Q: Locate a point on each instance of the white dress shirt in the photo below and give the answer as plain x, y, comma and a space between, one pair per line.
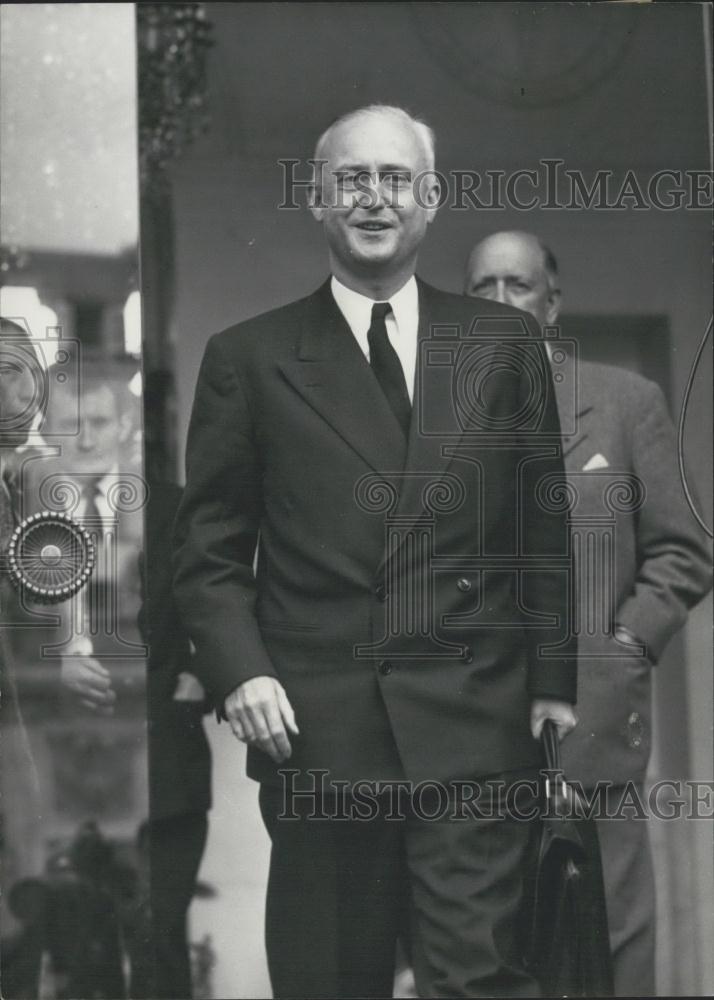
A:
402, 323
80, 642
105, 511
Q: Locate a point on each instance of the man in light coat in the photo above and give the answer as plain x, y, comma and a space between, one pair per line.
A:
643, 563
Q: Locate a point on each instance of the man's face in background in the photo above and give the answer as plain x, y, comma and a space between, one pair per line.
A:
20, 392
510, 268
103, 430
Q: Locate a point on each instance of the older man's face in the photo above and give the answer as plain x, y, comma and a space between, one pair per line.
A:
510, 268
373, 217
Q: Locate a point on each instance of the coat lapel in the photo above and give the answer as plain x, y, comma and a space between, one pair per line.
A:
333, 376
574, 407
426, 463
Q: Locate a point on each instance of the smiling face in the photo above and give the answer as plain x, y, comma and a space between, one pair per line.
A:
510, 268
373, 217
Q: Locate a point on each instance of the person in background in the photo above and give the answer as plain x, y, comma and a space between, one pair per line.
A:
662, 568
19, 412
93, 424
88, 424
179, 756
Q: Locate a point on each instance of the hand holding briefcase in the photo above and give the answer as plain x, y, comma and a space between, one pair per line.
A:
567, 945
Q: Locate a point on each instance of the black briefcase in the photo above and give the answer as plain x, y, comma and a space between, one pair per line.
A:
567, 947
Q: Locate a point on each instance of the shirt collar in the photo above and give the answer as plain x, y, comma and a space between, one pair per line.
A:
103, 484
357, 308
106, 481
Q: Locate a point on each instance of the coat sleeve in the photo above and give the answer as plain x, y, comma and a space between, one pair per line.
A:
546, 587
216, 531
674, 569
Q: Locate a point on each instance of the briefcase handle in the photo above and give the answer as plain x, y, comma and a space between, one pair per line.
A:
551, 745
551, 750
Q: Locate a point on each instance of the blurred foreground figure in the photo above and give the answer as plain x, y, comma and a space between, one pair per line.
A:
179, 757
661, 567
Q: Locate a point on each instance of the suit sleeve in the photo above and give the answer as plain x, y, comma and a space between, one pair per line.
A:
216, 530
546, 587
673, 554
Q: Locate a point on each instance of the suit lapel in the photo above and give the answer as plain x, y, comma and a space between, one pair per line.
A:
333, 376
574, 408
426, 464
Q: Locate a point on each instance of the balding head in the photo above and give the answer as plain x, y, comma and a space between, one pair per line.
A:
396, 117
375, 197
516, 268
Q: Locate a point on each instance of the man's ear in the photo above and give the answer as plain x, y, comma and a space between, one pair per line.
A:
126, 426
428, 193
552, 308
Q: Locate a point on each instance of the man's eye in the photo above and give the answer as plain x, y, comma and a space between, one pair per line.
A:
395, 179
352, 179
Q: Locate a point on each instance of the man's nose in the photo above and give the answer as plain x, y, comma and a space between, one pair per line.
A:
502, 294
372, 194
85, 439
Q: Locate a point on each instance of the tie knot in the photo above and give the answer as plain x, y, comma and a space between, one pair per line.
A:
380, 310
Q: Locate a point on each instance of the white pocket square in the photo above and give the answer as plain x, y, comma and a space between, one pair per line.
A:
596, 462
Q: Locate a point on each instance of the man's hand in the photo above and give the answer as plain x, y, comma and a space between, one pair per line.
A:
259, 713
561, 713
91, 681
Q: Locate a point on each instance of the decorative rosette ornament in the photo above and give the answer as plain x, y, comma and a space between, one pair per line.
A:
50, 556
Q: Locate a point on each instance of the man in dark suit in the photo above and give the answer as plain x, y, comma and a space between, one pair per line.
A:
89, 472
618, 431
407, 620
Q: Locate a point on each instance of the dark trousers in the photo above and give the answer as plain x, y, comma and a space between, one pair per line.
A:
338, 890
176, 850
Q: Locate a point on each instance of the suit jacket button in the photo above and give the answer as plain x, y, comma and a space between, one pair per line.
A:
384, 667
464, 585
380, 592
468, 654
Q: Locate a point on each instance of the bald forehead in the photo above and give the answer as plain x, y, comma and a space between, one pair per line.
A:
94, 396
374, 134
504, 250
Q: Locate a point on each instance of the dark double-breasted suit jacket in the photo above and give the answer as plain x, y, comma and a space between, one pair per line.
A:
642, 560
402, 596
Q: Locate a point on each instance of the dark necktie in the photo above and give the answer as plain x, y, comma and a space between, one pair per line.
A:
388, 368
92, 519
